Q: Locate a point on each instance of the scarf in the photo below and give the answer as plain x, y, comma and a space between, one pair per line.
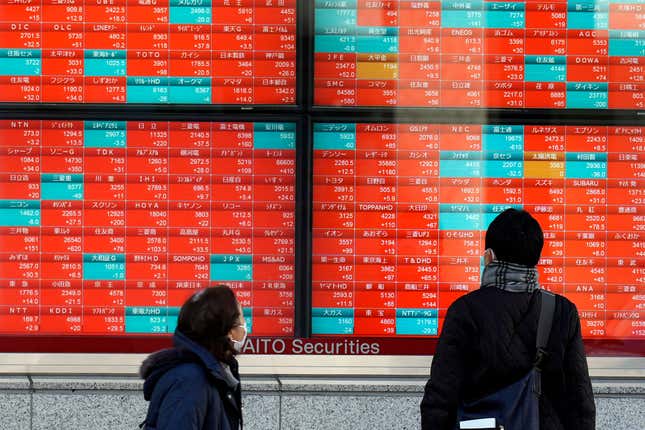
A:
510, 277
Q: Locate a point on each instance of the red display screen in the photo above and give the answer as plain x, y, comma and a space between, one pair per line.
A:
107, 227
400, 213
240, 52
551, 54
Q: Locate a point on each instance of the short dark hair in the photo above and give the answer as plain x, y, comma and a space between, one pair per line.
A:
207, 317
515, 237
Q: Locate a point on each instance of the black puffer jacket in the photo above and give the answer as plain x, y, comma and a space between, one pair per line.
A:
488, 342
189, 389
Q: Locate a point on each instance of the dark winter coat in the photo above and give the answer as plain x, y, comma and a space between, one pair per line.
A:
488, 342
189, 389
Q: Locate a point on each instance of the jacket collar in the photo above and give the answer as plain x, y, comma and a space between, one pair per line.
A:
512, 277
214, 367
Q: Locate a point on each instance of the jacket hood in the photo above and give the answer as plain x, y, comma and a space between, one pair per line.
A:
185, 351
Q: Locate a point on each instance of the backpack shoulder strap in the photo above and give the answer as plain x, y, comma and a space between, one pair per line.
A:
545, 322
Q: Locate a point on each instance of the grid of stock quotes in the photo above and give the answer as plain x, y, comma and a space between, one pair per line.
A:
336, 162
400, 212
239, 52
106, 227
549, 54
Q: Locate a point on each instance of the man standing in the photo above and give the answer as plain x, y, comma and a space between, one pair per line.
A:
488, 337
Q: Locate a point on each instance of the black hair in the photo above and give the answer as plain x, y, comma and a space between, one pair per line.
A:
207, 317
515, 237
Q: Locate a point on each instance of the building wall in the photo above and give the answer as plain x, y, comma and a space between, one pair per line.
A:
114, 403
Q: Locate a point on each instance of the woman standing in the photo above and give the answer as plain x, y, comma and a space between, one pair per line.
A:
196, 384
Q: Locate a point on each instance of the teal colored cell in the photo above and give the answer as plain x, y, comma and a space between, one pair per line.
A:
335, 4
328, 20
61, 191
103, 267
105, 125
171, 322
340, 140
505, 138
502, 129
148, 311
459, 208
545, 68
191, 12
189, 90
147, 323
587, 20
587, 5
147, 94
462, 18
20, 53
105, 134
504, 19
587, 99
20, 62
546, 60
195, 95
377, 44
148, 81
416, 313
333, 312
503, 169
503, 6
274, 126
321, 325
274, 140
325, 43
231, 258
19, 204
462, 5
586, 170
274, 135
103, 271
104, 54
417, 326
186, 81
460, 155
231, 272
545, 73
627, 44
461, 168
332, 320
19, 217
55, 186
190, 3
62, 177
460, 220
105, 63
103, 258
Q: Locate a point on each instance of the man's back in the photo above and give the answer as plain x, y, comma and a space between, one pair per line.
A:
488, 342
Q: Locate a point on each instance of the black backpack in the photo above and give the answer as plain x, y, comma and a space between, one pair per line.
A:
516, 406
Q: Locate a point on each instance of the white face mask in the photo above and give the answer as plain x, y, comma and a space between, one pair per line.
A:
239, 344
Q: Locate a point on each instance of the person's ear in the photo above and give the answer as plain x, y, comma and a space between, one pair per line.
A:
489, 256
